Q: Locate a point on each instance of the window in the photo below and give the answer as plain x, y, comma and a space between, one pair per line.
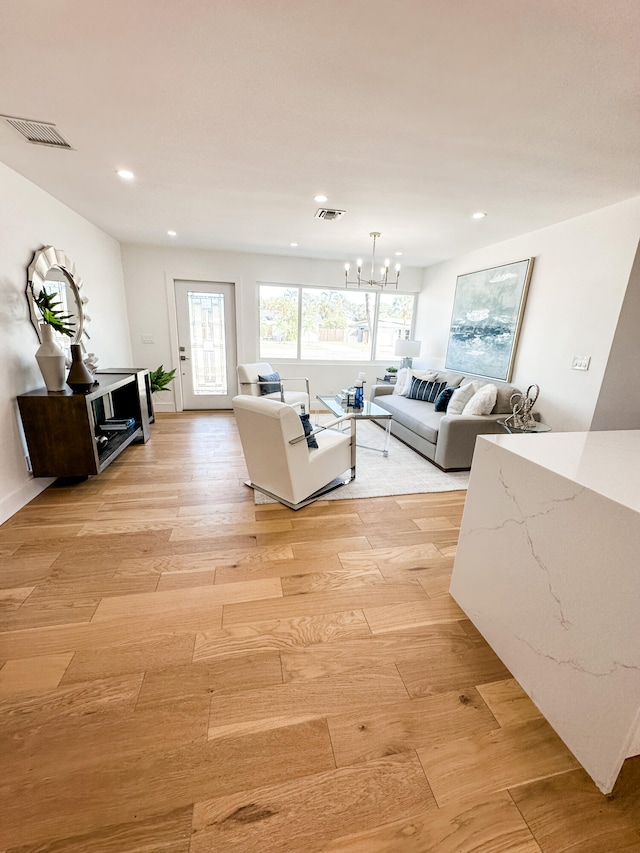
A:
322, 324
395, 318
279, 321
336, 325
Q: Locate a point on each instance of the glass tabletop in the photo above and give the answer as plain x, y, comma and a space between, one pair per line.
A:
368, 409
537, 427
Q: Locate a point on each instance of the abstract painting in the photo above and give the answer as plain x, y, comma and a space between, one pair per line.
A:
487, 313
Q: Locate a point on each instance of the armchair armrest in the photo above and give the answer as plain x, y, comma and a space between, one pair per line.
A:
260, 382
304, 379
329, 425
322, 427
280, 382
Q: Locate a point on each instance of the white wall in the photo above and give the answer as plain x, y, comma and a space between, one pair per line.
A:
29, 219
618, 405
580, 276
149, 274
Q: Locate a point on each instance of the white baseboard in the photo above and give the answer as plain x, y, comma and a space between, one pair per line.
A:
164, 407
10, 505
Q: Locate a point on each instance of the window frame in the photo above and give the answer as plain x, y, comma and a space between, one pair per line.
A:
373, 332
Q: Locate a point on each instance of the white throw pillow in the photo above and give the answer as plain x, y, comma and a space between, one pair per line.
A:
429, 375
401, 380
461, 397
482, 401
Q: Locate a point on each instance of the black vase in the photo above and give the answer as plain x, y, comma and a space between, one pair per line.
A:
79, 379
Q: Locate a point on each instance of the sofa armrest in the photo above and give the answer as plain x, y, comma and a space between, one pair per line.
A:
381, 390
457, 438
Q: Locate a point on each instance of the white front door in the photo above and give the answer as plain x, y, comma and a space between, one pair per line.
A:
207, 343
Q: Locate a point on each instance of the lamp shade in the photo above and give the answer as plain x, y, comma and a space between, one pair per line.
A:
407, 349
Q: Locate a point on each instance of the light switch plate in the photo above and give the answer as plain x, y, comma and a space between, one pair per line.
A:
581, 362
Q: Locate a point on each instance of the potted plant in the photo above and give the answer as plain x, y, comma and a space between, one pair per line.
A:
49, 356
50, 311
160, 378
390, 374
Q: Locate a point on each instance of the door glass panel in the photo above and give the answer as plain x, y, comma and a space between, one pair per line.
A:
208, 347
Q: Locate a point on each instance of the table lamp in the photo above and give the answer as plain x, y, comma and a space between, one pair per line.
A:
408, 350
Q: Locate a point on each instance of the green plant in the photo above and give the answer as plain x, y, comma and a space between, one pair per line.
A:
50, 311
392, 369
160, 378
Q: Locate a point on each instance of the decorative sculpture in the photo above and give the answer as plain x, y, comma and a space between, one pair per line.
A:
522, 404
91, 361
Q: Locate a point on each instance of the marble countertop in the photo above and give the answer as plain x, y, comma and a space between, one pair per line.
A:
605, 462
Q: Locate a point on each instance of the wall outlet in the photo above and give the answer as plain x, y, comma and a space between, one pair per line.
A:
147, 339
580, 362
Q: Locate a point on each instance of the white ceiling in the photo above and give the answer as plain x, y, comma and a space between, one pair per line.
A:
408, 114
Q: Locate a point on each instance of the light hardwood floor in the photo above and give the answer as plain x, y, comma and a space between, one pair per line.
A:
185, 672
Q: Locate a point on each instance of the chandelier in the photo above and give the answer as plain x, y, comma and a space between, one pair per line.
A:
372, 281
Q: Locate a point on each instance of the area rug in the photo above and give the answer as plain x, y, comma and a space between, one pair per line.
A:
402, 472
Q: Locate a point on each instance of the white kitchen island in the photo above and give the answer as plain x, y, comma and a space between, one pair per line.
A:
548, 570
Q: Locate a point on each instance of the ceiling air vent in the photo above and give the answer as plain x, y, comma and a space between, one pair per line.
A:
326, 213
39, 132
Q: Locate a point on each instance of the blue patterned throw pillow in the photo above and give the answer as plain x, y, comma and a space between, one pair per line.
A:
274, 378
422, 389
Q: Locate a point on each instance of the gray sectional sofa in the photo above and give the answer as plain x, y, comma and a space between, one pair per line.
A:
446, 440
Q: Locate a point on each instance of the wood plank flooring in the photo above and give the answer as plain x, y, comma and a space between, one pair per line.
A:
182, 671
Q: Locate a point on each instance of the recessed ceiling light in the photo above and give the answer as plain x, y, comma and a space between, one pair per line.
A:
293, 245
398, 254
172, 233
478, 215
320, 198
125, 174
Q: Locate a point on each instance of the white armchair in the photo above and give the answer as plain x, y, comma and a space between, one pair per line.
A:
279, 460
250, 384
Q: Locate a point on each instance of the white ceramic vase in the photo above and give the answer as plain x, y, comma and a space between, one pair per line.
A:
51, 360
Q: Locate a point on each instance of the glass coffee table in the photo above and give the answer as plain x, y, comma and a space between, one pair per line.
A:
369, 412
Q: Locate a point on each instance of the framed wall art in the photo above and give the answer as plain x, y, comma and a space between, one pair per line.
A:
486, 318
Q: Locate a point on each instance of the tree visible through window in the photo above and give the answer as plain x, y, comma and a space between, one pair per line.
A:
278, 322
336, 325
323, 324
395, 318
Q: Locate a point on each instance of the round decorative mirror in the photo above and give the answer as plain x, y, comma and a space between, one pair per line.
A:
51, 272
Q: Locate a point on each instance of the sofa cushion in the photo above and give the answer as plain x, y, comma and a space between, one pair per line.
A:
461, 397
428, 375
482, 401
415, 415
453, 380
503, 404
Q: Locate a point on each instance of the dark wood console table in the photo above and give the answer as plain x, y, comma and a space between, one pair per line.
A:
63, 429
